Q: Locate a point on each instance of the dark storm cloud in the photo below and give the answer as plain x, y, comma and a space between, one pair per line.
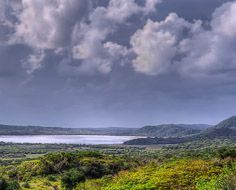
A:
116, 63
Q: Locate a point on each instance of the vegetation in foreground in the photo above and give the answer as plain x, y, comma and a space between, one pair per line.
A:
186, 166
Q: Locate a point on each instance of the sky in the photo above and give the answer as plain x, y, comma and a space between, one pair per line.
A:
117, 63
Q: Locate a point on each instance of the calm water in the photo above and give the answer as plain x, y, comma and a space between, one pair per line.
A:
67, 139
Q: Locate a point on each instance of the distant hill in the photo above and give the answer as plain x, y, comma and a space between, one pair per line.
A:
224, 130
167, 130
38, 130
171, 130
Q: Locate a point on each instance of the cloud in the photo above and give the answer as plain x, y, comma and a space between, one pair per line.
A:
150, 5
34, 61
42, 25
156, 44
82, 33
72, 26
47, 24
176, 45
91, 48
213, 51
6, 20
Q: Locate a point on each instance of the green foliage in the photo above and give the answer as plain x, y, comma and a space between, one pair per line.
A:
71, 167
213, 184
178, 175
26, 185
170, 130
181, 174
51, 178
70, 179
200, 165
13, 185
227, 152
3, 184
9, 185
225, 181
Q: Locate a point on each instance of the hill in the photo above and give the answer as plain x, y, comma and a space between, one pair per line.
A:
38, 130
167, 130
226, 129
171, 130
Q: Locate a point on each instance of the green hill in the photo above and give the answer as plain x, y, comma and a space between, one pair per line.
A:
38, 130
170, 130
225, 129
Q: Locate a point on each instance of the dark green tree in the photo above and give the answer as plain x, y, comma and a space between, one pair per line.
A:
70, 179
3, 184
13, 185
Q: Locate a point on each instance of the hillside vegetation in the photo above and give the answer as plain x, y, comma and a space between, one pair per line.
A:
170, 130
38, 130
148, 169
224, 130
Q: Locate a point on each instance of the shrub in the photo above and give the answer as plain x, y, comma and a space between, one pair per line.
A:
229, 183
70, 179
227, 152
46, 183
13, 185
26, 185
51, 178
3, 184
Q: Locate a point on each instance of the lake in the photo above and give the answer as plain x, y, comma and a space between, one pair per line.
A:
67, 139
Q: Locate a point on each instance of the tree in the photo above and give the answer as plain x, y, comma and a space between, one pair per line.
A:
3, 184
70, 179
10, 185
13, 185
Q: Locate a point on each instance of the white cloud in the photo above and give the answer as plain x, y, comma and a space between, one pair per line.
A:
91, 48
156, 44
48, 24
150, 5
45, 25
224, 20
82, 34
214, 50
175, 45
74, 26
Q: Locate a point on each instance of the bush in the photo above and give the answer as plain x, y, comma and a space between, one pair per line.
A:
46, 183
26, 185
227, 152
3, 184
13, 185
10, 185
51, 178
229, 183
70, 179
